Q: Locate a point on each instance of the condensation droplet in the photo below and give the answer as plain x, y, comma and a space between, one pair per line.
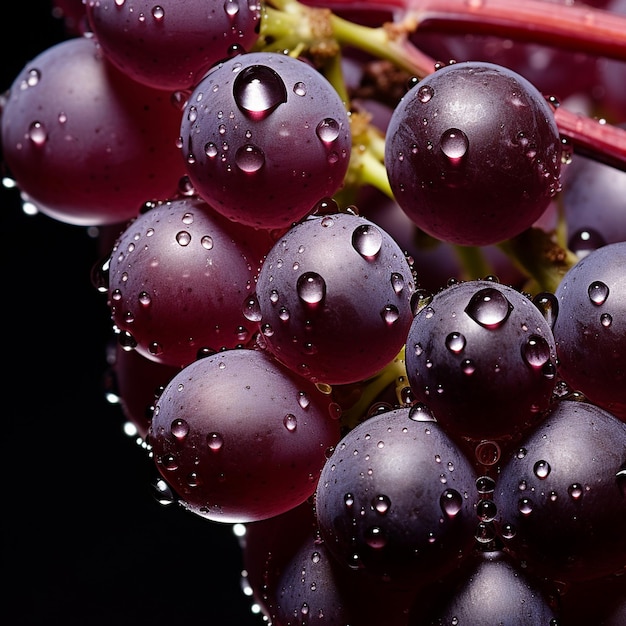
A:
180, 428
328, 130
451, 502
390, 314
397, 282
381, 504
575, 491
454, 144
536, 351
258, 90
419, 412
215, 441
455, 342
375, 538
367, 240
425, 93
541, 469
183, 238
548, 305
489, 307
249, 158
290, 422
311, 288
598, 292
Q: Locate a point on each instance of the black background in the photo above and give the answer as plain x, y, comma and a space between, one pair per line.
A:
84, 541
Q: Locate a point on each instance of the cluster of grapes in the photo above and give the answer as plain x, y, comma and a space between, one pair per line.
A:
369, 308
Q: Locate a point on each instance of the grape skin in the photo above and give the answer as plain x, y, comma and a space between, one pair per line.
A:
171, 45
590, 327
87, 145
473, 154
240, 438
310, 293
265, 137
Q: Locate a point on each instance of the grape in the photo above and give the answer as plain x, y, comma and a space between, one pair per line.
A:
593, 204
265, 137
590, 327
239, 438
171, 45
490, 589
396, 499
310, 291
178, 280
136, 382
473, 153
84, 143
483, 358
560, 495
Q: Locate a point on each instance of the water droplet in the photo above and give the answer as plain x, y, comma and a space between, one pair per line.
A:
215, 441
525, 506
348, 500
328, 130
468, 366
454, 144
38, 134
290, 422
303, 399
548, 305
606, 319
598, 292
367, 240
259, 90
249, 158
397, 282
183, 238
536, 351
180, 428
158, 13
381, 504
575, 491
419, 412
375, 538
231, 7
489, 307
252, 309
455, 342
487, 452
163, 493
390, 314
485, 485
425, 93
299, 89
585, 240
541, 469
451, 502
311, 288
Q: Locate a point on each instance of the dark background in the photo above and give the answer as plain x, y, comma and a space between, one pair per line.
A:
83, 540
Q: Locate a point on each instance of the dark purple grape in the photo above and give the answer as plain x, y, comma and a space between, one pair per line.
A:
483, 358
593, 204
179, 276
473, 153
265, 137
86, 144
240, 438
171, 45
491, 590
561, 498
334, 298
590, 327
396, 499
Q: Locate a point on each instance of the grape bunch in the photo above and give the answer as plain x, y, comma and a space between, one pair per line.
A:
364, 272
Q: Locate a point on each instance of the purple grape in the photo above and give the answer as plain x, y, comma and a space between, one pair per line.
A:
265, 137
333, 298
86, 144
239, 438
483, 358
179, 276
560, 495
490, 589
473, 153
171, 45
396, 499
590, 327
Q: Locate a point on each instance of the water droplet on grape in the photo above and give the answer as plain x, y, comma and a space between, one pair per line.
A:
598, 292
249, 158
38, 134
541, 469
381, 504
367, 240
311, 288
328, 130
290, 422
489, 308
180, 428
420, 412
451, 502
536, 351
258, 90
425, 93
455, 342
454, 144
390, 314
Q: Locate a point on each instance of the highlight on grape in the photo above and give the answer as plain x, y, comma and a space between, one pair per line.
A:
365, 268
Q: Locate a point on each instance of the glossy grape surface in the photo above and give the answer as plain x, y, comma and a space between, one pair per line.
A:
240, 438
473, 153
265, 138
87, 145
334, 298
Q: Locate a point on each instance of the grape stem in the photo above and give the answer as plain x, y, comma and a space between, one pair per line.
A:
583, 28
